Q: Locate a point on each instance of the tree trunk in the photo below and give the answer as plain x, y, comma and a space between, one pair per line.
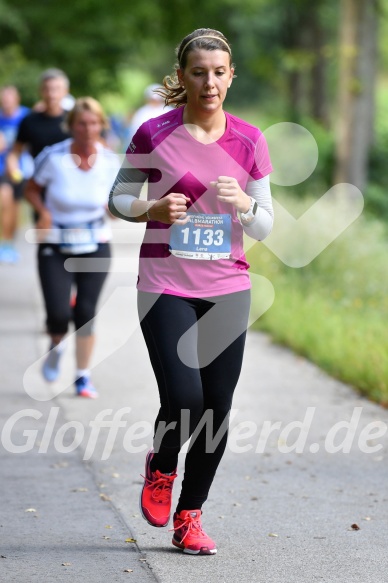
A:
318, 92
357, 75
295, 92
307, 82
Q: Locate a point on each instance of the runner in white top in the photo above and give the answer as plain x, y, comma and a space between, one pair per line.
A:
153, 107
76, 175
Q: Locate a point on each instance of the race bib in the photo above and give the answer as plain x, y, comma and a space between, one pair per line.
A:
202, 237
78, 240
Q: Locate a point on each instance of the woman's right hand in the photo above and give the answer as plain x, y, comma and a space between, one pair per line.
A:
170, 209
44, 221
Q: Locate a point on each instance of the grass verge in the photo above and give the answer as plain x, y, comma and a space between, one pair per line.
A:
334, 311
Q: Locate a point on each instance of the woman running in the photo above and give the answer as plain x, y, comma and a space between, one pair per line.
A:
75, 175
208, 183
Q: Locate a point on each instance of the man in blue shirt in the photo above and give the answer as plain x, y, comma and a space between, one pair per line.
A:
11, 187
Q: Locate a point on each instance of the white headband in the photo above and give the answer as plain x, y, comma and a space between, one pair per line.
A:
205, 36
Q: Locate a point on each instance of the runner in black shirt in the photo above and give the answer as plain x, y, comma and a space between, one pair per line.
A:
40, 129
43, 128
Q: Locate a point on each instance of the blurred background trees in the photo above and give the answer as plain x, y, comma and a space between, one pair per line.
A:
357, 87
315, 63
319, 63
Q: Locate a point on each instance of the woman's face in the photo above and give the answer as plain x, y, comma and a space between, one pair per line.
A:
206, 78
86, 128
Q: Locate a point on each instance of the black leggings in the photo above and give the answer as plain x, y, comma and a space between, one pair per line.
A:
196, 373
57, 282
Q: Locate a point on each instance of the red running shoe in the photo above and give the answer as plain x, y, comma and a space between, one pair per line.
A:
156, 495
189, 535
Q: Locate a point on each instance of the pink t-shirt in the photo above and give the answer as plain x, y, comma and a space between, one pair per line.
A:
205, 257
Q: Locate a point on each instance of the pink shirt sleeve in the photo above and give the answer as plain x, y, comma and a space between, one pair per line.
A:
262, 165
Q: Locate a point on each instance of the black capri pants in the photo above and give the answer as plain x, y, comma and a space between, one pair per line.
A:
57, 282
196, 349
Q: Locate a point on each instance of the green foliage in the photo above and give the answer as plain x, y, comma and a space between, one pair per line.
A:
376, 198
322, 177
90, 36
111, 51
11, 21
16, 70
334, 310
383, 34
129, 95
84, 37
267, 114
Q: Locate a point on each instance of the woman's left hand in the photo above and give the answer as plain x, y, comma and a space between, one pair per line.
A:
229, 191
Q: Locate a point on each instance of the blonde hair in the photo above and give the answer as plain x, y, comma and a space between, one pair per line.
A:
202, 38
87, 104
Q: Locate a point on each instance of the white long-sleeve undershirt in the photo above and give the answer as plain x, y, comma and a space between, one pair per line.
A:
129, 182
261, 225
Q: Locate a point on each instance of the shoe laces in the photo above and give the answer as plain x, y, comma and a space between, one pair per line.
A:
162, 487
192, 524
84, 386
83, 383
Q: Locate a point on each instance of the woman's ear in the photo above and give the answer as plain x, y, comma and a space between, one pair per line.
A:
231, 77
